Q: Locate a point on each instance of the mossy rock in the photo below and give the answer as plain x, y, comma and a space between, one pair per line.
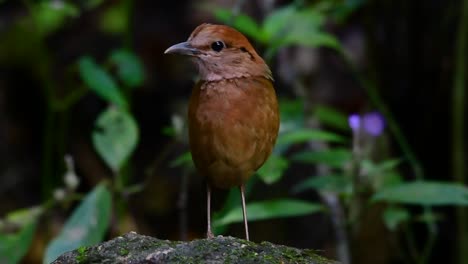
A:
134, 248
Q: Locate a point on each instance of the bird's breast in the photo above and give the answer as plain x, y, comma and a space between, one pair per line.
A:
233, 125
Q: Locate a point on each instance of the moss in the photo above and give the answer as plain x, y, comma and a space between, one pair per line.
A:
124, 251
81, 256
143, 249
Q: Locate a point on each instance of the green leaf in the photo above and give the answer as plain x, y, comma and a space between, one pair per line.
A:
290, 26
241, 22
331, 183
292, 114
115, 18
268, 210
277, 23
336, 158
331, 117
387, 165
86, 226
100, 81
318, 39
425, 193
184, 160
305, 135
115, 137
51, 15
14, 246
24, 216
129, 67
393, 216
273, 169
387, 179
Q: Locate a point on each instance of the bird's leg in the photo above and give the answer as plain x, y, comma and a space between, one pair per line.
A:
209, 233
244, 210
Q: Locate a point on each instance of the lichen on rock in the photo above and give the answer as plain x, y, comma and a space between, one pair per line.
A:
137, 249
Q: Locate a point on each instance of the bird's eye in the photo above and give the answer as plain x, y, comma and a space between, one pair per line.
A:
217, 46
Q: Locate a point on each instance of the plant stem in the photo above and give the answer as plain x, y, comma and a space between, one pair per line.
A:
409, 238
458, 129
376, 100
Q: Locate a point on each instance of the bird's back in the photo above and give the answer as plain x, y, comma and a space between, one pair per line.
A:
233, 125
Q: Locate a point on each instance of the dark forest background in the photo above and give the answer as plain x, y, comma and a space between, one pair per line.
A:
92, 126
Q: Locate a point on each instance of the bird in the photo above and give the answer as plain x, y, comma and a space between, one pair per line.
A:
233, 112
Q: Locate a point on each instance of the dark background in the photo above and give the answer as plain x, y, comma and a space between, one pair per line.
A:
407, 48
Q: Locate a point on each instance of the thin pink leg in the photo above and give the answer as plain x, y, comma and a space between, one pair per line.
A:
244, 210
209, 233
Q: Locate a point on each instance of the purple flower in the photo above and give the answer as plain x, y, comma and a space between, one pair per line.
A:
354, 122
372, 123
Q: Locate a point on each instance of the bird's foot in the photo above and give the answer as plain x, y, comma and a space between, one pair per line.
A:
209, 235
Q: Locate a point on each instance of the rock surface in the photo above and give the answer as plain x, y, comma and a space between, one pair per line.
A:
134, 248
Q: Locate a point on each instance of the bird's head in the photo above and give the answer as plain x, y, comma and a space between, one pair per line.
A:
221, 52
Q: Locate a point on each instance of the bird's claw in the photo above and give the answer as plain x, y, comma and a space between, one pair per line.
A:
209, 235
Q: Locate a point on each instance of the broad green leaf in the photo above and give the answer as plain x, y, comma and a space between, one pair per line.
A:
169, 131
184, 160
51, 15
86, 226
115, 19
331, 183
292, 114
336, 158
14, 246
269, 209
292, 26
241, 22
100, 81
317, 39
387, 179
273, 169
425, 193
378, 168
331, 117
115, 136
389, 164
24, 216
305, 135
393, 216
129, 67
278, 22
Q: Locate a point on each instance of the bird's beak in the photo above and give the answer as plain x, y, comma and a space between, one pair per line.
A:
184, 48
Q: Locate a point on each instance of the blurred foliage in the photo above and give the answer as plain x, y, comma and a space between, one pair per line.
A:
285, 26
14, 245
100, 82
269, 209
354, 175
425, 193
115, 137
86, 226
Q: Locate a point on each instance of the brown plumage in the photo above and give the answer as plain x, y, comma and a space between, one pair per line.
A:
233, 111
